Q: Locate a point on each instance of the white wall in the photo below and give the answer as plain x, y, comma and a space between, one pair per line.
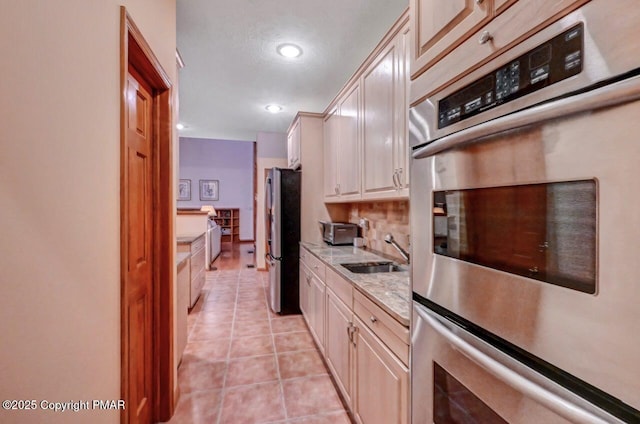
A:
272, 152
60, 189
229, 162
271, 145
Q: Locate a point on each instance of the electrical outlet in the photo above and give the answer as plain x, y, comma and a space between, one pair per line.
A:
364, 223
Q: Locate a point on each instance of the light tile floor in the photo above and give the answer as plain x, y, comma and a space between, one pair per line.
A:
244, 364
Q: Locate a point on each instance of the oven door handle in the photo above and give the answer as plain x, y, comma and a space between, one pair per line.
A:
515, 374
608, 95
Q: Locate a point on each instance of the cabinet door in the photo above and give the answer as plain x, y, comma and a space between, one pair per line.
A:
290, 150
349, 142
385, 106
381, 382
316, 307
440, 25
293, 146
305, 282
500, 5
331, 135
338, 343
401, 165
378, 122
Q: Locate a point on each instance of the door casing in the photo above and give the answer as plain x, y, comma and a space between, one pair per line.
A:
136, 52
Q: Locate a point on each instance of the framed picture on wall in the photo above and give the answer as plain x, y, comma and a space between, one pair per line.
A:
184, 190
209, 190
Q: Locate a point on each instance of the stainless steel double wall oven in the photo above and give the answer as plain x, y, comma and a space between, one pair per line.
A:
525, 215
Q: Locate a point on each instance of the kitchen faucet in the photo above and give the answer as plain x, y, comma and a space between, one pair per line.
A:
389, 239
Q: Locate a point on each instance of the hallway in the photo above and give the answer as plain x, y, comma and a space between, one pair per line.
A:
244, 364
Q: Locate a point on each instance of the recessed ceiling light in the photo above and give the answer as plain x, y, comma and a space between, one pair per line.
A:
274, 108
180, 126
289, 50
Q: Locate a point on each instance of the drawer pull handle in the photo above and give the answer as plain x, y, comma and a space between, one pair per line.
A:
485, 37
373, 319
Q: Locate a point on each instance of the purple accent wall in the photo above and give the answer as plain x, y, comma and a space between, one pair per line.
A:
229, 162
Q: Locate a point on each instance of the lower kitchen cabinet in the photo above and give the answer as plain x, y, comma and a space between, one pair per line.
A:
365, 348
381, 381
304, 289
196, 247
338, 344
312, 303
183, 289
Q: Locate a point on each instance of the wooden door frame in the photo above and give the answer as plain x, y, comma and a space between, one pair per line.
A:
136, 52
255, 195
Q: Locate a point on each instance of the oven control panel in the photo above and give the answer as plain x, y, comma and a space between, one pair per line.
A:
558, 59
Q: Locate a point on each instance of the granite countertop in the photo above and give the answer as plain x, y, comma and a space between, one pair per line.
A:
188, 238
181, 257
389, 290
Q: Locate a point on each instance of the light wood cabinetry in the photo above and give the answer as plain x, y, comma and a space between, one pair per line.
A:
342, 147
500, 5
440, 25
338, 343
229, 222
381, 381
196, 248
330, 154
365, 348
393, 334
305, 281
293, 146
317, 292
306, 135
463, 47
312, 295
385, 84
183, 301
365, 130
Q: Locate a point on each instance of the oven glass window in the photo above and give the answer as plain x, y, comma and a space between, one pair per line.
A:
453, 403
542, 231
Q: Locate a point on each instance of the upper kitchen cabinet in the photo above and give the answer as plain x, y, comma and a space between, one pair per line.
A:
305, 143
452, 38
293, 146
500, 5
440, 25
330, 154
384, 85
341, 148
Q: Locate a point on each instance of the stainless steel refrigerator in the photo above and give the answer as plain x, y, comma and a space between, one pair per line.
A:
282, 191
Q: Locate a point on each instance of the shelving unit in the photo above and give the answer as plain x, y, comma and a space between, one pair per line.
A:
229, 222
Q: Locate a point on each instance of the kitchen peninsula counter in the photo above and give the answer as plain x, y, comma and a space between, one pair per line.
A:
189, 237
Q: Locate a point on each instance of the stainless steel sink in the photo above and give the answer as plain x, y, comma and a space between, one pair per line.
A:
372, 267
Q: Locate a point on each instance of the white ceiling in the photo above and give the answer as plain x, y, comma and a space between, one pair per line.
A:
232, 70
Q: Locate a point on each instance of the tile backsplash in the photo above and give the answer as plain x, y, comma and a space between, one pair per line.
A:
384, 217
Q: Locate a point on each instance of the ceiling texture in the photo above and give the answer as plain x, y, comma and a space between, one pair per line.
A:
233, 71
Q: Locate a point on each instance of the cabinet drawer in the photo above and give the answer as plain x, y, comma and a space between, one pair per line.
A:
198, 244
340, 286
314, 264
197, 282
197, 262
391, 332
